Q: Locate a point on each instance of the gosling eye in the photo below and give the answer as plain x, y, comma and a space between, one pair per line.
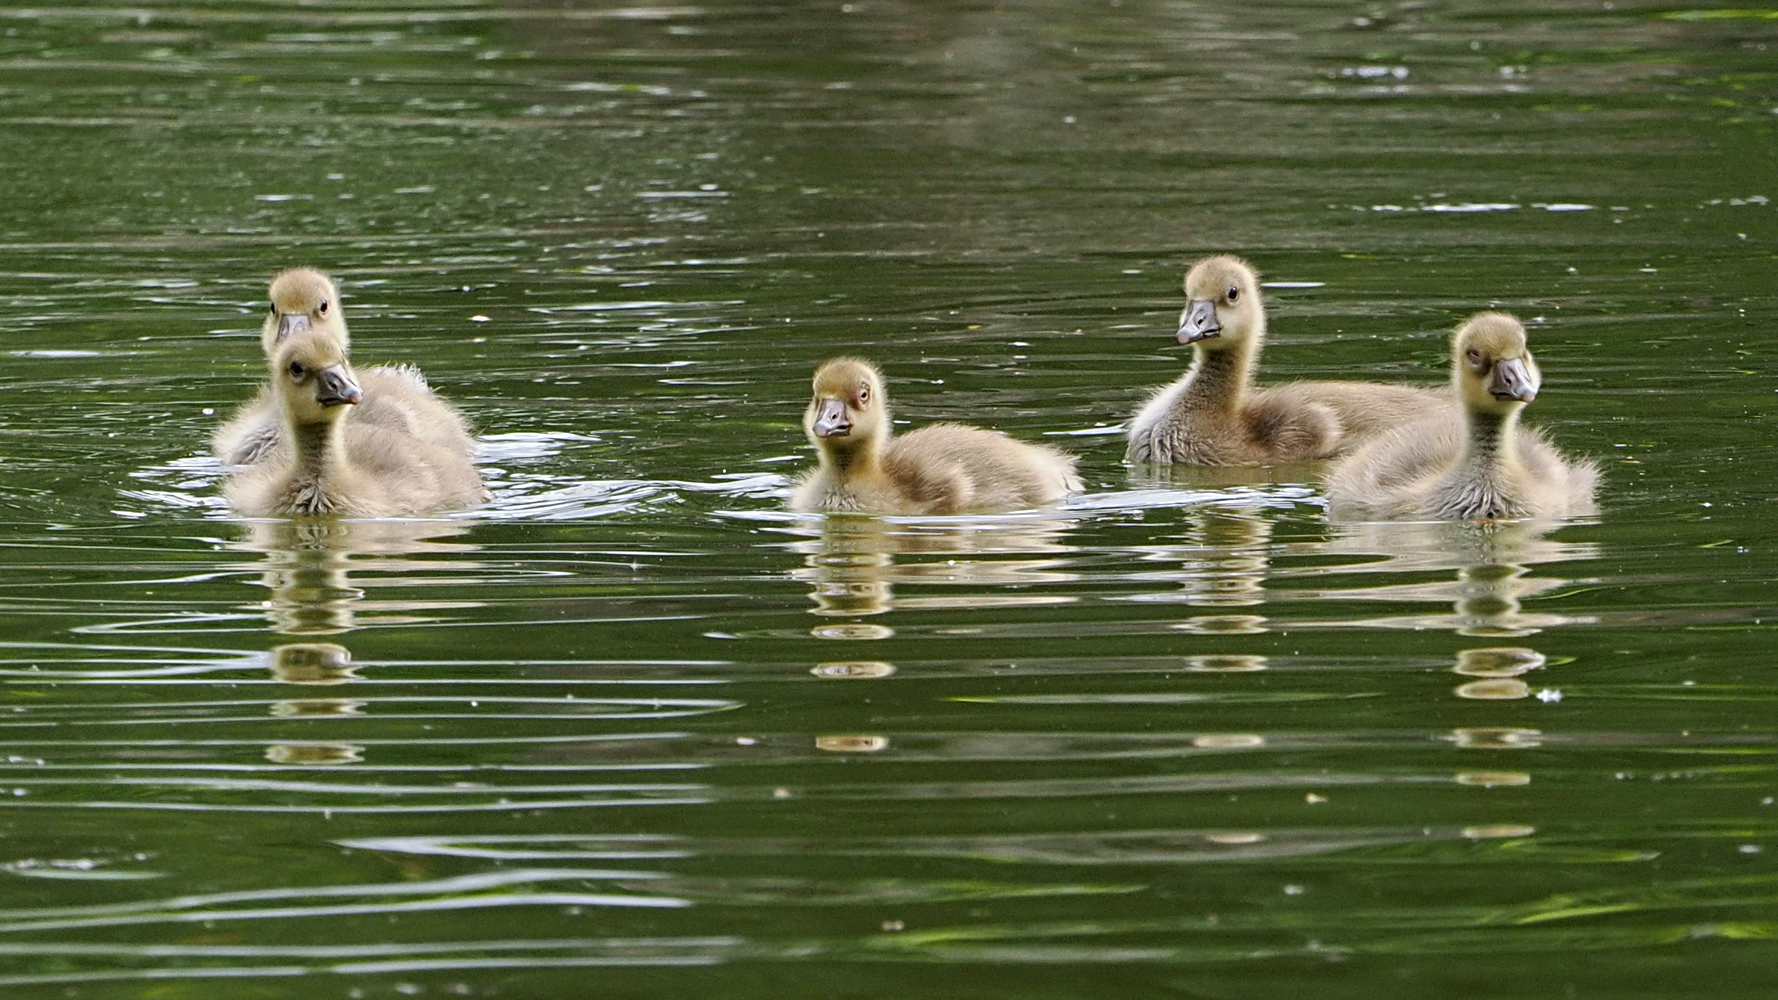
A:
322, 309
864, 396
1234, 293
1474, 358
297, 371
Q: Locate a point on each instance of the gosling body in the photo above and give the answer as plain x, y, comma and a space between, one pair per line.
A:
939, 469
1214, 415
1472, 461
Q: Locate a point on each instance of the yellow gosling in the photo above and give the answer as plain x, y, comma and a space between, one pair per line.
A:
939, 469
1214, 415
1470, 461
322, 440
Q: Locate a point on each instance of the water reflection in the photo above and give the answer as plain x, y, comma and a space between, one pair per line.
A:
1491, 566
1493, 779
1498, 661
314, 664
321, 572
1494, 690
1499, 668
850, 568
310, 708
305, 754
854, 670
1229, 663
855, 564
1227, 560
1229, 741
852, 743
1496, 738
321, 663
1223, 563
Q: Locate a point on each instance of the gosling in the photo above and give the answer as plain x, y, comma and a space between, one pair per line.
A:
415, 456
1471, 461
939, 469
395, 396
1214, 415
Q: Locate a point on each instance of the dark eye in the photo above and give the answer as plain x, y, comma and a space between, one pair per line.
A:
863, 396
1475, 359
323, 309
296, 369
1234, 293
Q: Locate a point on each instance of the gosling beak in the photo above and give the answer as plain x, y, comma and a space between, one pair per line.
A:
1512, 379
289, 323
830, 419
1198, 322
335, 386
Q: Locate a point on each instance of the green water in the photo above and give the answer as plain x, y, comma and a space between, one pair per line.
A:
631, 731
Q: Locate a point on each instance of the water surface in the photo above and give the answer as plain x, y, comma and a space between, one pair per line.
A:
631, 730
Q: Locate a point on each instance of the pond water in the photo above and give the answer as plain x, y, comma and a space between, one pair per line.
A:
632, 731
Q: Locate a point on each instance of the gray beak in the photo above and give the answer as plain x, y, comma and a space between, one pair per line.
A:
289, 323
1514, 378
830, 419
1198, 322
335, 386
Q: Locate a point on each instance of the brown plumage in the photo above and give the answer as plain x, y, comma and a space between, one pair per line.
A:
333, 448
938, 469
1215, 416
1471, 460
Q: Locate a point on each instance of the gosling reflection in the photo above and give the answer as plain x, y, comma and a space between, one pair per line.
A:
852, 743
314, 753
1227, 663
1494, 690
851, 670
855, 565
317, 708
1496, 738
850, 569
1227, 567
1492, 565
309, 566
1499, 668
1222, 566
1498, 661
312, 663
1492, 779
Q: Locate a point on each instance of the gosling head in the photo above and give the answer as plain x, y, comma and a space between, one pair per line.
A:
313, 377
303, 299
848, 410
1492, 365
1222, 308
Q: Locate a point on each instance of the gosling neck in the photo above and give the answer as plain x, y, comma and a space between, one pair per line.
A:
321, 446
1488, 439
1219, 377
1220, 374
853, 459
